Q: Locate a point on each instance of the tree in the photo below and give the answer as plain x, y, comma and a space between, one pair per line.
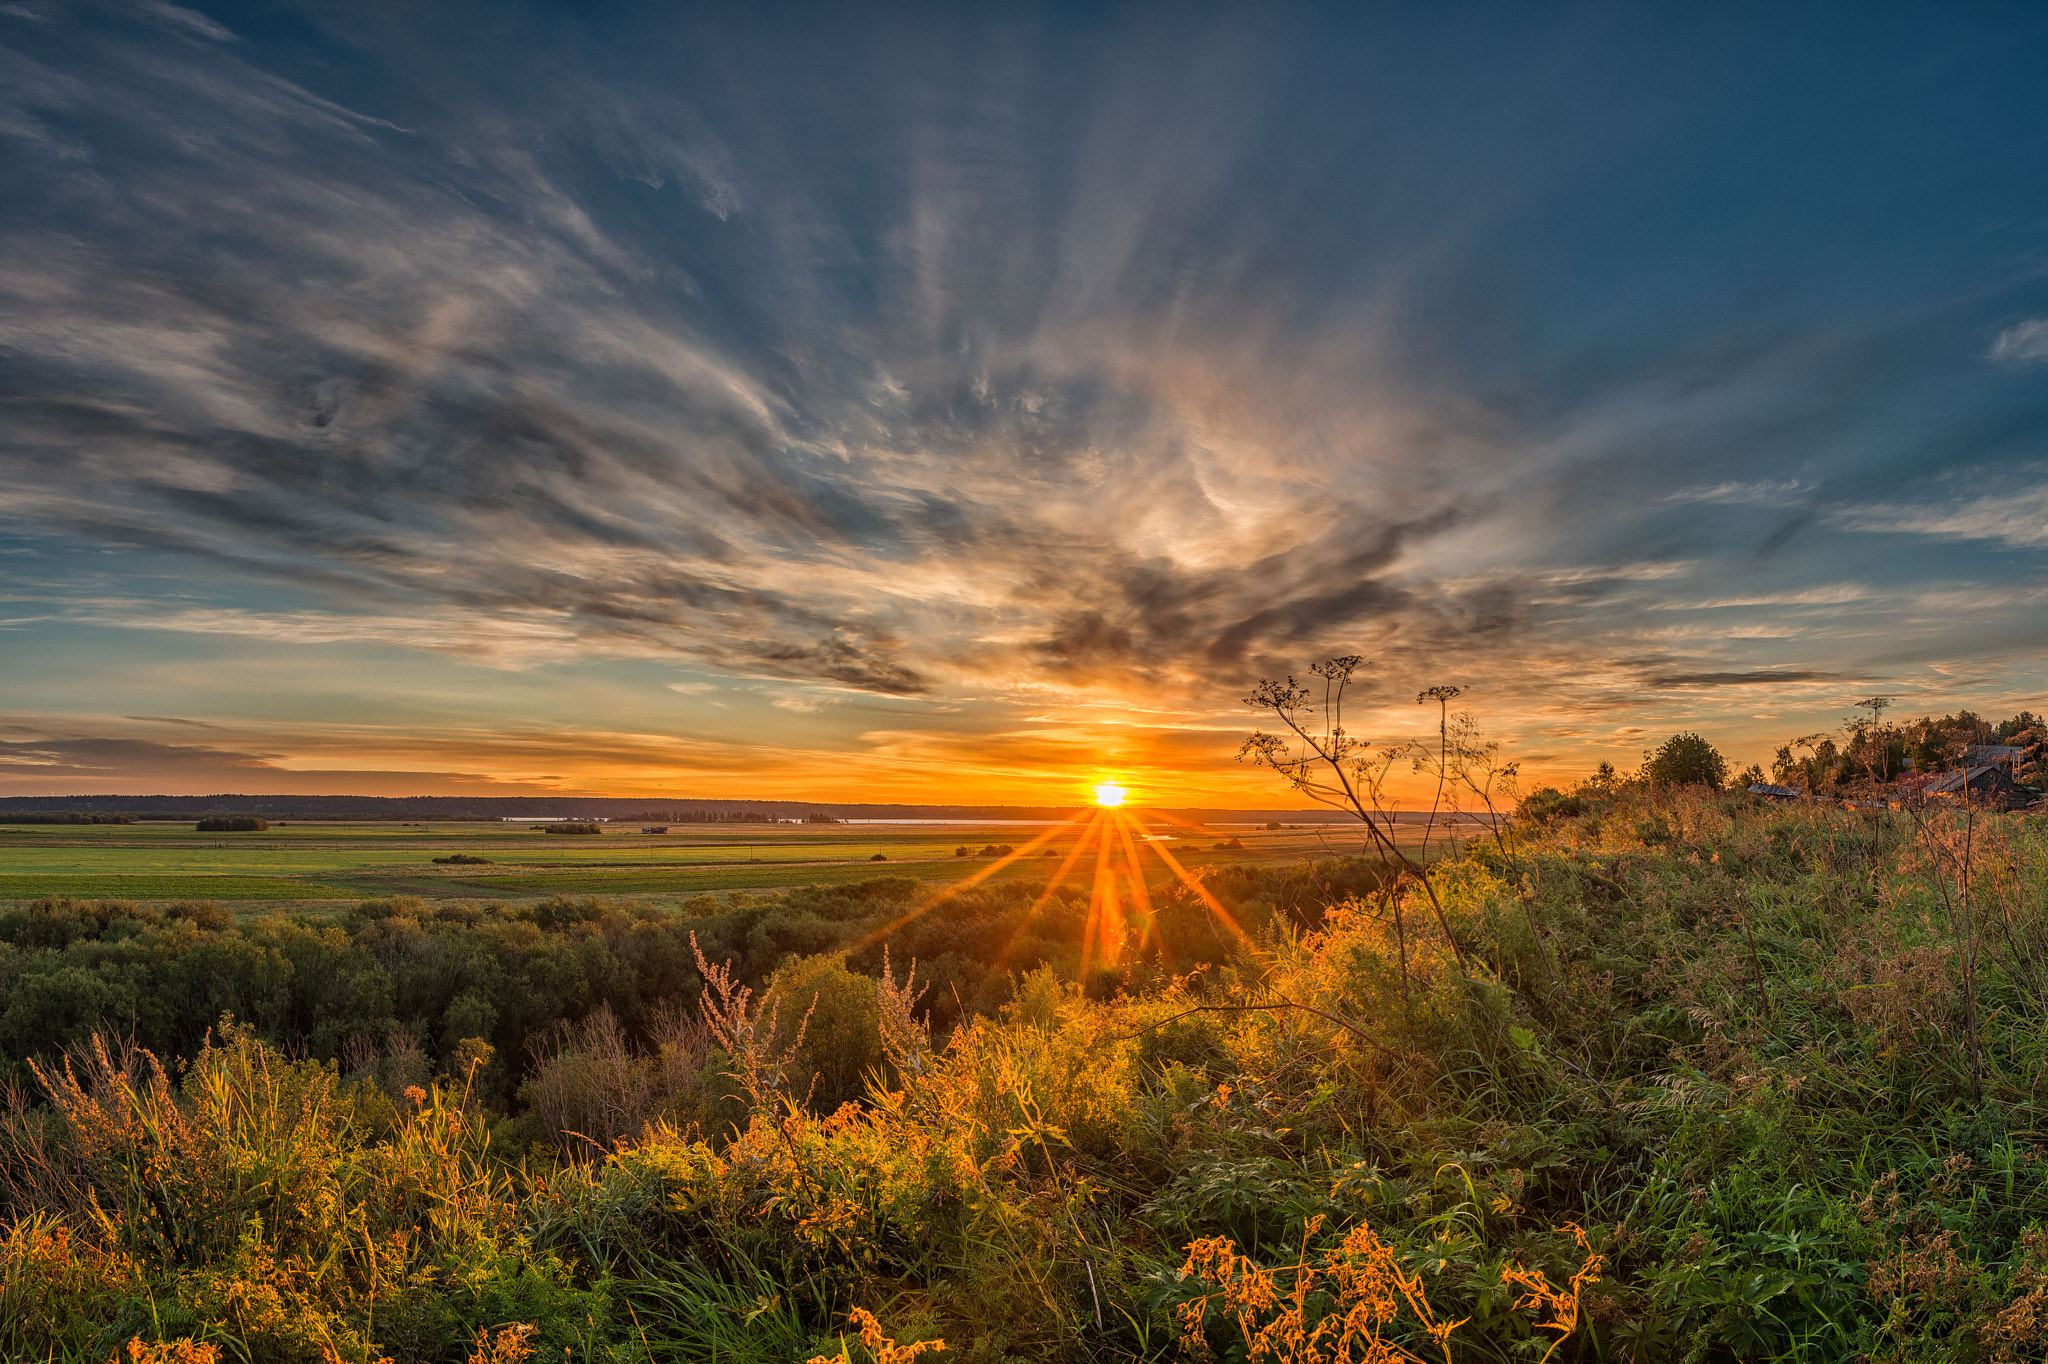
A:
1687, 760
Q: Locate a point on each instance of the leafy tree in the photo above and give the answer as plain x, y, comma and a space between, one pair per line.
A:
1687, 760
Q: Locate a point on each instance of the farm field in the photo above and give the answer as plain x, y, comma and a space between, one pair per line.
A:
316, 862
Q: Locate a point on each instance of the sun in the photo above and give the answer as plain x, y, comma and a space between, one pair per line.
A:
1108, 794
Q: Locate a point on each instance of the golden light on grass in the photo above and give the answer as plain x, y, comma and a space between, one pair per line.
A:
1109, 795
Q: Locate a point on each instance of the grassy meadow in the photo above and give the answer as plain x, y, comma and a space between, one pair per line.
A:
285, 864
1655, 1076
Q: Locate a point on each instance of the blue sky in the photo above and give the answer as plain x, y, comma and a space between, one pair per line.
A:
971, 402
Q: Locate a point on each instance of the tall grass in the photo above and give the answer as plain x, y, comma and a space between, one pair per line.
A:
1685, 1078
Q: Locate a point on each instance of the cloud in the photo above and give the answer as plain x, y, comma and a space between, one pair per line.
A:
1764, 492
2022, 342
98, 764
2018, 519
1064, 382
188, 21
1756, 677
1824, 594
479, 433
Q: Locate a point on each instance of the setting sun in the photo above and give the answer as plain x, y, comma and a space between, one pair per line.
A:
1109, 793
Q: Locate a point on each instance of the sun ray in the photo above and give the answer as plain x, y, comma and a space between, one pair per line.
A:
1141, 899
1074, 854
1201, 892
1101, 902
945, 893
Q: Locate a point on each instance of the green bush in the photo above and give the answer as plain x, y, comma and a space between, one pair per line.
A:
839, 1016
1687, 760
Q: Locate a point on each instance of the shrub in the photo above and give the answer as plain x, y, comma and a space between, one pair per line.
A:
573, 827
1547, 803
1687, 760
841, 1043
233, 824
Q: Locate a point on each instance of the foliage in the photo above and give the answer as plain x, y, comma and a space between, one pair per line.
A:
1687, 760
1675, 1076
573, 827
233, 824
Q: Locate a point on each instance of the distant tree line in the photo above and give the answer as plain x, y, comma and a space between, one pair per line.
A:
65, 817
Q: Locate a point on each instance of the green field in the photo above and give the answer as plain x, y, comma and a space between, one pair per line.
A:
317, 861
13, 887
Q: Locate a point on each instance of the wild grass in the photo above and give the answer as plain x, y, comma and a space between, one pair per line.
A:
1694, 1082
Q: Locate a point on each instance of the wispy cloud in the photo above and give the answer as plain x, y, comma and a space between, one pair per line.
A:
1762, 492
1755, 677
2022, 342
2018, 518
185, 20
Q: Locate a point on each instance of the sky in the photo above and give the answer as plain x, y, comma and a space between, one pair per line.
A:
974, 402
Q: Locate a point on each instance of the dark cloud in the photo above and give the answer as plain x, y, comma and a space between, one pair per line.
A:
1758, 677
64, 758
88, 764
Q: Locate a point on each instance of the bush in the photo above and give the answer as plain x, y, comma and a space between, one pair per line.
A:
1687, 760
1547, 803
842, 1037
233, 824
573, 827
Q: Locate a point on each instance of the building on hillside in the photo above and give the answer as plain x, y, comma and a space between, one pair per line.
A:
1986, 784
2007, 756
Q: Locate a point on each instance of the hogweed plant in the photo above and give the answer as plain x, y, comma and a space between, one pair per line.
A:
1319, 758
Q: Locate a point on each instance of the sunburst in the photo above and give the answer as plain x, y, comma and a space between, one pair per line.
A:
1120, 921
